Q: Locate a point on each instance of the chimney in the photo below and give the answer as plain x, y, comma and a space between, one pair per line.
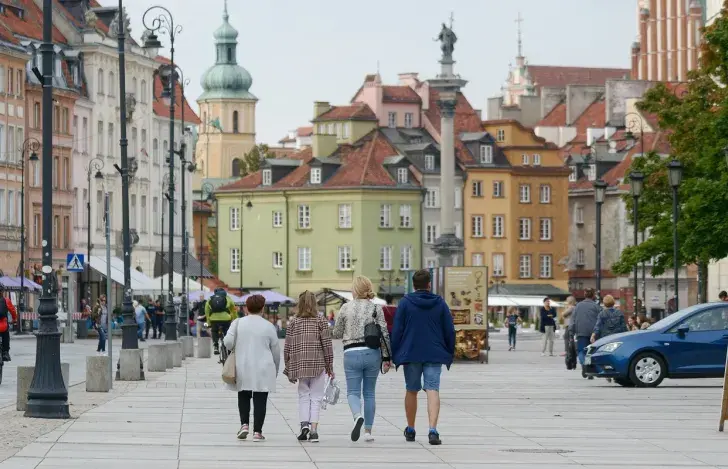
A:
479, 113
409, 79
320, 107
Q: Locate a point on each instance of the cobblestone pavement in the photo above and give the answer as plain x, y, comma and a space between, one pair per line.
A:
520, 411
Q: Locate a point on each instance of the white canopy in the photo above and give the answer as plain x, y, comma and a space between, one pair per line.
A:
140, 283
349, 297
525, 301
192, 285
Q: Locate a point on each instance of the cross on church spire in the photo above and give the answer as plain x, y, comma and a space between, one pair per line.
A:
452, 18
519, 21
225, 15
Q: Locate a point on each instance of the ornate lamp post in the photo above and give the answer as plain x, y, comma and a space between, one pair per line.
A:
47, 396
636, 182
165, 187
94, 166
31, 145
600, 188
164, 23
205, 194
674, 173
634, 123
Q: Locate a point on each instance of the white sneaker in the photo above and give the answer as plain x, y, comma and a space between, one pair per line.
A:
356, 431
368, 436
543, 354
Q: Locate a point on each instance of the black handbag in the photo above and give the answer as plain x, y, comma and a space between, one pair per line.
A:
372, 333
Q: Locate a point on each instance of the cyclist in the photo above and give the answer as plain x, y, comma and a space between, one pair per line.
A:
6, 309
219, 313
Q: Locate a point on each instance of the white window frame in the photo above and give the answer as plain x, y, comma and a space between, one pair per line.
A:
402, 175
304, 259
498, 267
385, 216
304, 217
498, 189
591, 172
345, 216
430, 263
346, 130
432, 199
234, 259
525, 159
385, 257
408, 120
477, 259
500, 135
486, 154
499, 226
572, 174
579, 215
537, 159
277, 260
545, 194
545, 266
405, 257
432, 232
277, 219
458, 198
477, 188
235, 218
545, 229
429, 162
524, 266
392, 120
315, 175
524, 194
580, 257
267, 177
345, 258
405, 216
477, 226
524, 229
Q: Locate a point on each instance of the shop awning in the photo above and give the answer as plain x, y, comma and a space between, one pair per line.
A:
140, 283
522, 301
347, 296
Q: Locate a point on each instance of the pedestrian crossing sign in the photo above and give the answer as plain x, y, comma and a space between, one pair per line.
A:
74, 262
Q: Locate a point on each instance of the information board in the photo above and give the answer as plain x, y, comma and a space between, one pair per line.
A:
465, 290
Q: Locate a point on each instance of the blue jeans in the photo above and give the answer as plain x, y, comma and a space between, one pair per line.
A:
419, 376
581, 344
361, 368
102, 340
140, 330
512, 336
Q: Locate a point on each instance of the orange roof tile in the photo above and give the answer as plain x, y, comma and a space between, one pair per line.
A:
466, 120
162, 110
555, 118
400, 94
593, 116
31, 25
304, 131
559, 77
357, 111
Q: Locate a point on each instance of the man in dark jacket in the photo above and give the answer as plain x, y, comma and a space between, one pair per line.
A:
423, 339
582, 323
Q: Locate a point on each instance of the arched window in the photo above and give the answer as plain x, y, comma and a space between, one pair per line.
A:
100, 82
144, 91
134, 85
112, 84
235, 122
237, 167
230, 54
155, 151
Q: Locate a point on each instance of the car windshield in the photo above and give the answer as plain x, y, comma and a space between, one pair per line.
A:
673, 319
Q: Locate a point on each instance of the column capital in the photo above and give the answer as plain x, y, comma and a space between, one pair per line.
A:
447, 107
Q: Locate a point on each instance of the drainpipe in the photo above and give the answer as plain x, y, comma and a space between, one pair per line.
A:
423, 196
288, 253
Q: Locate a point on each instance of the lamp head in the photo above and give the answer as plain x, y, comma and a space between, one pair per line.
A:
98, 175
636, 181
674, 173
600, 189
152, 44
33, 157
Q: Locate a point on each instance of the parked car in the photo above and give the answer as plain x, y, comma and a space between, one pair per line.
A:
691, 343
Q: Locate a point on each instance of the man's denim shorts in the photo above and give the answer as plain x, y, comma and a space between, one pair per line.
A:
418, 376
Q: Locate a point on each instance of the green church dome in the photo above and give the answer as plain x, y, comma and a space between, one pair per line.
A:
226, 79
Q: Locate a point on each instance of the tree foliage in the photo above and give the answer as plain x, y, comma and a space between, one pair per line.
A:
696, 121
251, 160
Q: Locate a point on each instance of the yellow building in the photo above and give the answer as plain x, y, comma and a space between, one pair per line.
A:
516, 209
227, 109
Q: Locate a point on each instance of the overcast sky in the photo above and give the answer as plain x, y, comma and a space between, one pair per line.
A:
302, 51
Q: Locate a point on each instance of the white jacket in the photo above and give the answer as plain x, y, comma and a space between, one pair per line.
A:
257, 354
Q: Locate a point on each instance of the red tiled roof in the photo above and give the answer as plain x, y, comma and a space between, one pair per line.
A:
287, 139
550, 76
555, 118
538, 140
357, 111
400, 94
281, 152
304, 131
199, 206
162, 110
31, 25
466, 120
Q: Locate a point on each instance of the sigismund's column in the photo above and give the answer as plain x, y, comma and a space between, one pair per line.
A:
449, 248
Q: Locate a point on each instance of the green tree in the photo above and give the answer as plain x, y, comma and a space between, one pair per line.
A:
212, 240
695, 118
251, 160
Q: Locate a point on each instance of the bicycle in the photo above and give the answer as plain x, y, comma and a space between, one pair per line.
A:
223, 350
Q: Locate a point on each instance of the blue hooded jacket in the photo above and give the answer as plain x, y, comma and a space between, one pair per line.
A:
423, 330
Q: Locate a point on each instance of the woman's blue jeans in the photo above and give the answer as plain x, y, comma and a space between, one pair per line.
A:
361, 368
102, 340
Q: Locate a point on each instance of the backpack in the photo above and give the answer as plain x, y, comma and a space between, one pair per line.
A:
372, 333
218, 304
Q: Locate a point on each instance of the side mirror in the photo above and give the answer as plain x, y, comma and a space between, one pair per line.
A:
683, 329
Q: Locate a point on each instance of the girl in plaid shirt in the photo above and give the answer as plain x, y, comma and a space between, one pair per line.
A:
308, 357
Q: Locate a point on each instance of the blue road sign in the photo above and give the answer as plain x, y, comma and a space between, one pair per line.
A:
74, 262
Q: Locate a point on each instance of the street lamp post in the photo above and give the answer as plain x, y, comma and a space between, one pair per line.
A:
205, 194
165, 188
674, 172
31, 145
600, 188
636, 181
164, 23
184, 324
48, 395
94, 166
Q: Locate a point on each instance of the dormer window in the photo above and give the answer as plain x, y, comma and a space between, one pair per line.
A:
331, 129
415, 140
346, 130
429, 162
536, 159
392, 120
572, 174
500, 135
315, 175
402, 175
592, 172
525, 160
486, 154
267, 177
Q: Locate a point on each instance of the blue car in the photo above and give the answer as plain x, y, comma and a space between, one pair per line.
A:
691, 343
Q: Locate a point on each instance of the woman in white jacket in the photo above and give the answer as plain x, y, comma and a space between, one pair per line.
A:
257, 360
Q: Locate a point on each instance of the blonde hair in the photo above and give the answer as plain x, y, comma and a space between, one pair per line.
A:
608, 301
512, 310
362, 288
307, 305
571, 301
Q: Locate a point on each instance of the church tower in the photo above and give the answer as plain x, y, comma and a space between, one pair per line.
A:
227, 110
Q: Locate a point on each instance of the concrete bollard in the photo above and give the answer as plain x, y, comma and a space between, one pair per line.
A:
25, 378
204, 347
188, 346
176, 348
97, 374
169, 354
157, 357
129, 361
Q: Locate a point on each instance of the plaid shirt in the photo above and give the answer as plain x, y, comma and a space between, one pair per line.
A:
308, 351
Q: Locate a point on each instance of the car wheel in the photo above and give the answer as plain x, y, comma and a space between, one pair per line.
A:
624, 382
647, 370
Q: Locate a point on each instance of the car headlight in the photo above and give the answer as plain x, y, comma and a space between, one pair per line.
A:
610, 347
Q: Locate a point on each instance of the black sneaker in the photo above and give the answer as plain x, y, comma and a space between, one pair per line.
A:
356, 431
303, 434
313, 437
409, 434
216, 351
6, 357
435, 438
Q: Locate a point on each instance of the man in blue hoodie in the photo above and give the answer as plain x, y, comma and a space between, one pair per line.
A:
423, 339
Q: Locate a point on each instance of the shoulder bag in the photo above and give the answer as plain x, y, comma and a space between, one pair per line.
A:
229, 374
372, 332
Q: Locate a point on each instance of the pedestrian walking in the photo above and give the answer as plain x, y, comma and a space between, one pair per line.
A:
423, 340
309, 357
149, 322
141, 319
363, 362
100, 316
257, 360
583, 321
7, 311
389, 311
548, 327
158, 320
610, 321
513, 319
566, 316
